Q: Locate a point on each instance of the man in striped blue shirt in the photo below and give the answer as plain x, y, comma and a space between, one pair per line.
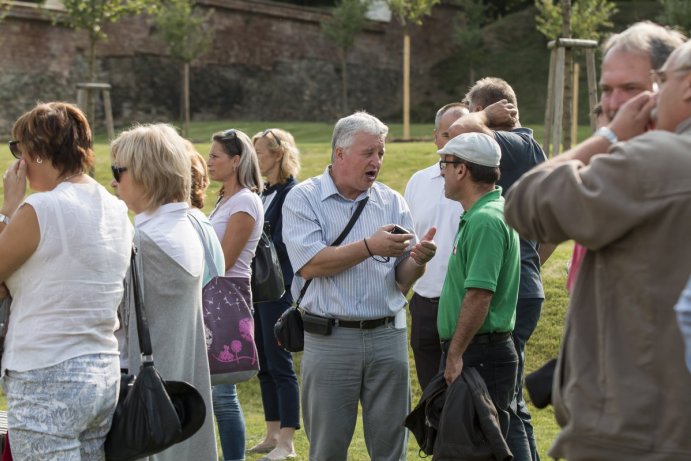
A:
359, 353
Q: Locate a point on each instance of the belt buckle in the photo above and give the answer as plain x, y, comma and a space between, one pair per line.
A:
362, 324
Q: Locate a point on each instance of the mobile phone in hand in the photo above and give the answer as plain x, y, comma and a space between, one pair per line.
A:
399, 230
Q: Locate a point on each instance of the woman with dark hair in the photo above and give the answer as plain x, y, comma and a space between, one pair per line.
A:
279, 162
65, 251
238, 219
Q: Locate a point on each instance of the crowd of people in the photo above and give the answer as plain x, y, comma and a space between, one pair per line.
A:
467, 240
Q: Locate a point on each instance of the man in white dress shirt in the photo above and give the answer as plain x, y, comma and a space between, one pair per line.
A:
430, 208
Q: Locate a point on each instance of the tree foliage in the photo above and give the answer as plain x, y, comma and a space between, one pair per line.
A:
92, 15
469, 36
677, 13
588, 17
346, 21
188, 34
184, 28
411, 11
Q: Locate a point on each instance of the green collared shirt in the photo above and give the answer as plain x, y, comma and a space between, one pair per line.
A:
486, 254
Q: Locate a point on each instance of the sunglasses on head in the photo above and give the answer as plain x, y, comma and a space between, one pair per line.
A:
276, 138
117, 172
14, 149
232, 135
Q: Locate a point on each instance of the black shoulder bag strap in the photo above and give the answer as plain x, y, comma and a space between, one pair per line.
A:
337, 242
142, 322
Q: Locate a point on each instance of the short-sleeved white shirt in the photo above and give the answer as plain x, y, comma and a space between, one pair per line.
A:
65, 296
243, 201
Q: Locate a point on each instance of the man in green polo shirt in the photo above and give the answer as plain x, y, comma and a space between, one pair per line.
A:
477, 307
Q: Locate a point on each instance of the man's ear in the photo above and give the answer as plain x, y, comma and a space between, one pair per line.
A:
686, 89
476, 108
338, 153
461, 170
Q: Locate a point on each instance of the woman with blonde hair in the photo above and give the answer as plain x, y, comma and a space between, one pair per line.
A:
65, 251
279, 162
151, 171
238, 219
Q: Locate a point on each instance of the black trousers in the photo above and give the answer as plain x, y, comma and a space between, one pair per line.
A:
424, 338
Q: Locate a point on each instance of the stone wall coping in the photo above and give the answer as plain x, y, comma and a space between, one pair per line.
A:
283, 10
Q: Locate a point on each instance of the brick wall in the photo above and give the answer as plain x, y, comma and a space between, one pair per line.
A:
268, 61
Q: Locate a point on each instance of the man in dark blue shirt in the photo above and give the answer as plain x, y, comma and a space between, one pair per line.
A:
494, 111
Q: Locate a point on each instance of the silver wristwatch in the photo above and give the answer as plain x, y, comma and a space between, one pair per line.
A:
607, 133
4, 219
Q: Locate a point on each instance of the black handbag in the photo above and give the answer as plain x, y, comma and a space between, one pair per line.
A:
152, 414
267, 276
289, 329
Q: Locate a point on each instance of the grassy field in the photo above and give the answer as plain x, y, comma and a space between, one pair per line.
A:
401, 160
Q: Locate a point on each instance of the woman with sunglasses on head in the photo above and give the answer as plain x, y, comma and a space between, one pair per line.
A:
151, 171
64, 252
238, 219
279, 162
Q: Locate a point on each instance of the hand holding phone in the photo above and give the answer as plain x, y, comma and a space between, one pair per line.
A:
399, 230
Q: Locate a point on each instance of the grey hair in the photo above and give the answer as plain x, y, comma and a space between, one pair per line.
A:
682, 55
646, 37
457, 106
359, 122
248, 173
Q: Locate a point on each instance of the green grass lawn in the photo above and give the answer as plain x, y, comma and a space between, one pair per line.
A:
402, 159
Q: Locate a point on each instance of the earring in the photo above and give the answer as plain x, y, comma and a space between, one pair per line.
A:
39, 160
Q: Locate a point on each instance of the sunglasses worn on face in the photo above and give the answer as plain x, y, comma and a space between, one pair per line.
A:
232, 135
117, 172
276, 138
15, 149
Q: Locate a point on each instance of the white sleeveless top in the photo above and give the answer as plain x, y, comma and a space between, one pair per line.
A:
65, 296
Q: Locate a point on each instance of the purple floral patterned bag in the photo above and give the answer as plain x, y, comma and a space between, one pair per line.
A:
229, 328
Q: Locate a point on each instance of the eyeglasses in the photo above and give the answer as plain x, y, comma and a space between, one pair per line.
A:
278, 140
443, 163
660, 76
15, 150
232, 135
117, 172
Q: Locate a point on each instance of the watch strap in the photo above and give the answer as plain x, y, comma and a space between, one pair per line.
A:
607, 133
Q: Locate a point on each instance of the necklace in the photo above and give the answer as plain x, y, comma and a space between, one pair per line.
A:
71, 176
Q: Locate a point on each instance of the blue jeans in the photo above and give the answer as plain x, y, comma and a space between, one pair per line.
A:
497, 363
277, 378
231, 421
521, 439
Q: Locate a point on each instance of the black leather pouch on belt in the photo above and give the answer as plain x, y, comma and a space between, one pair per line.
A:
316, 324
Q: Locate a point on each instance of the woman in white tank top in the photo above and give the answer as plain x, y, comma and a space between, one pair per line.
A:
64, 251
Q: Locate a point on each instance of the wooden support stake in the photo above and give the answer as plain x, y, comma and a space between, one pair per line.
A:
558, 100
574, 105
549, 107
592, 84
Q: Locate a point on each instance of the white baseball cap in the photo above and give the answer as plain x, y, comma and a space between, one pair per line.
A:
475, 148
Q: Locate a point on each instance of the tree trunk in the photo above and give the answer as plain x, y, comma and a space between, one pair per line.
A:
186, 98
344, 83
568, 75
406, 84
90, 106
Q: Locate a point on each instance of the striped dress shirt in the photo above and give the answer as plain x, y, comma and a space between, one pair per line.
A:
314, 215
